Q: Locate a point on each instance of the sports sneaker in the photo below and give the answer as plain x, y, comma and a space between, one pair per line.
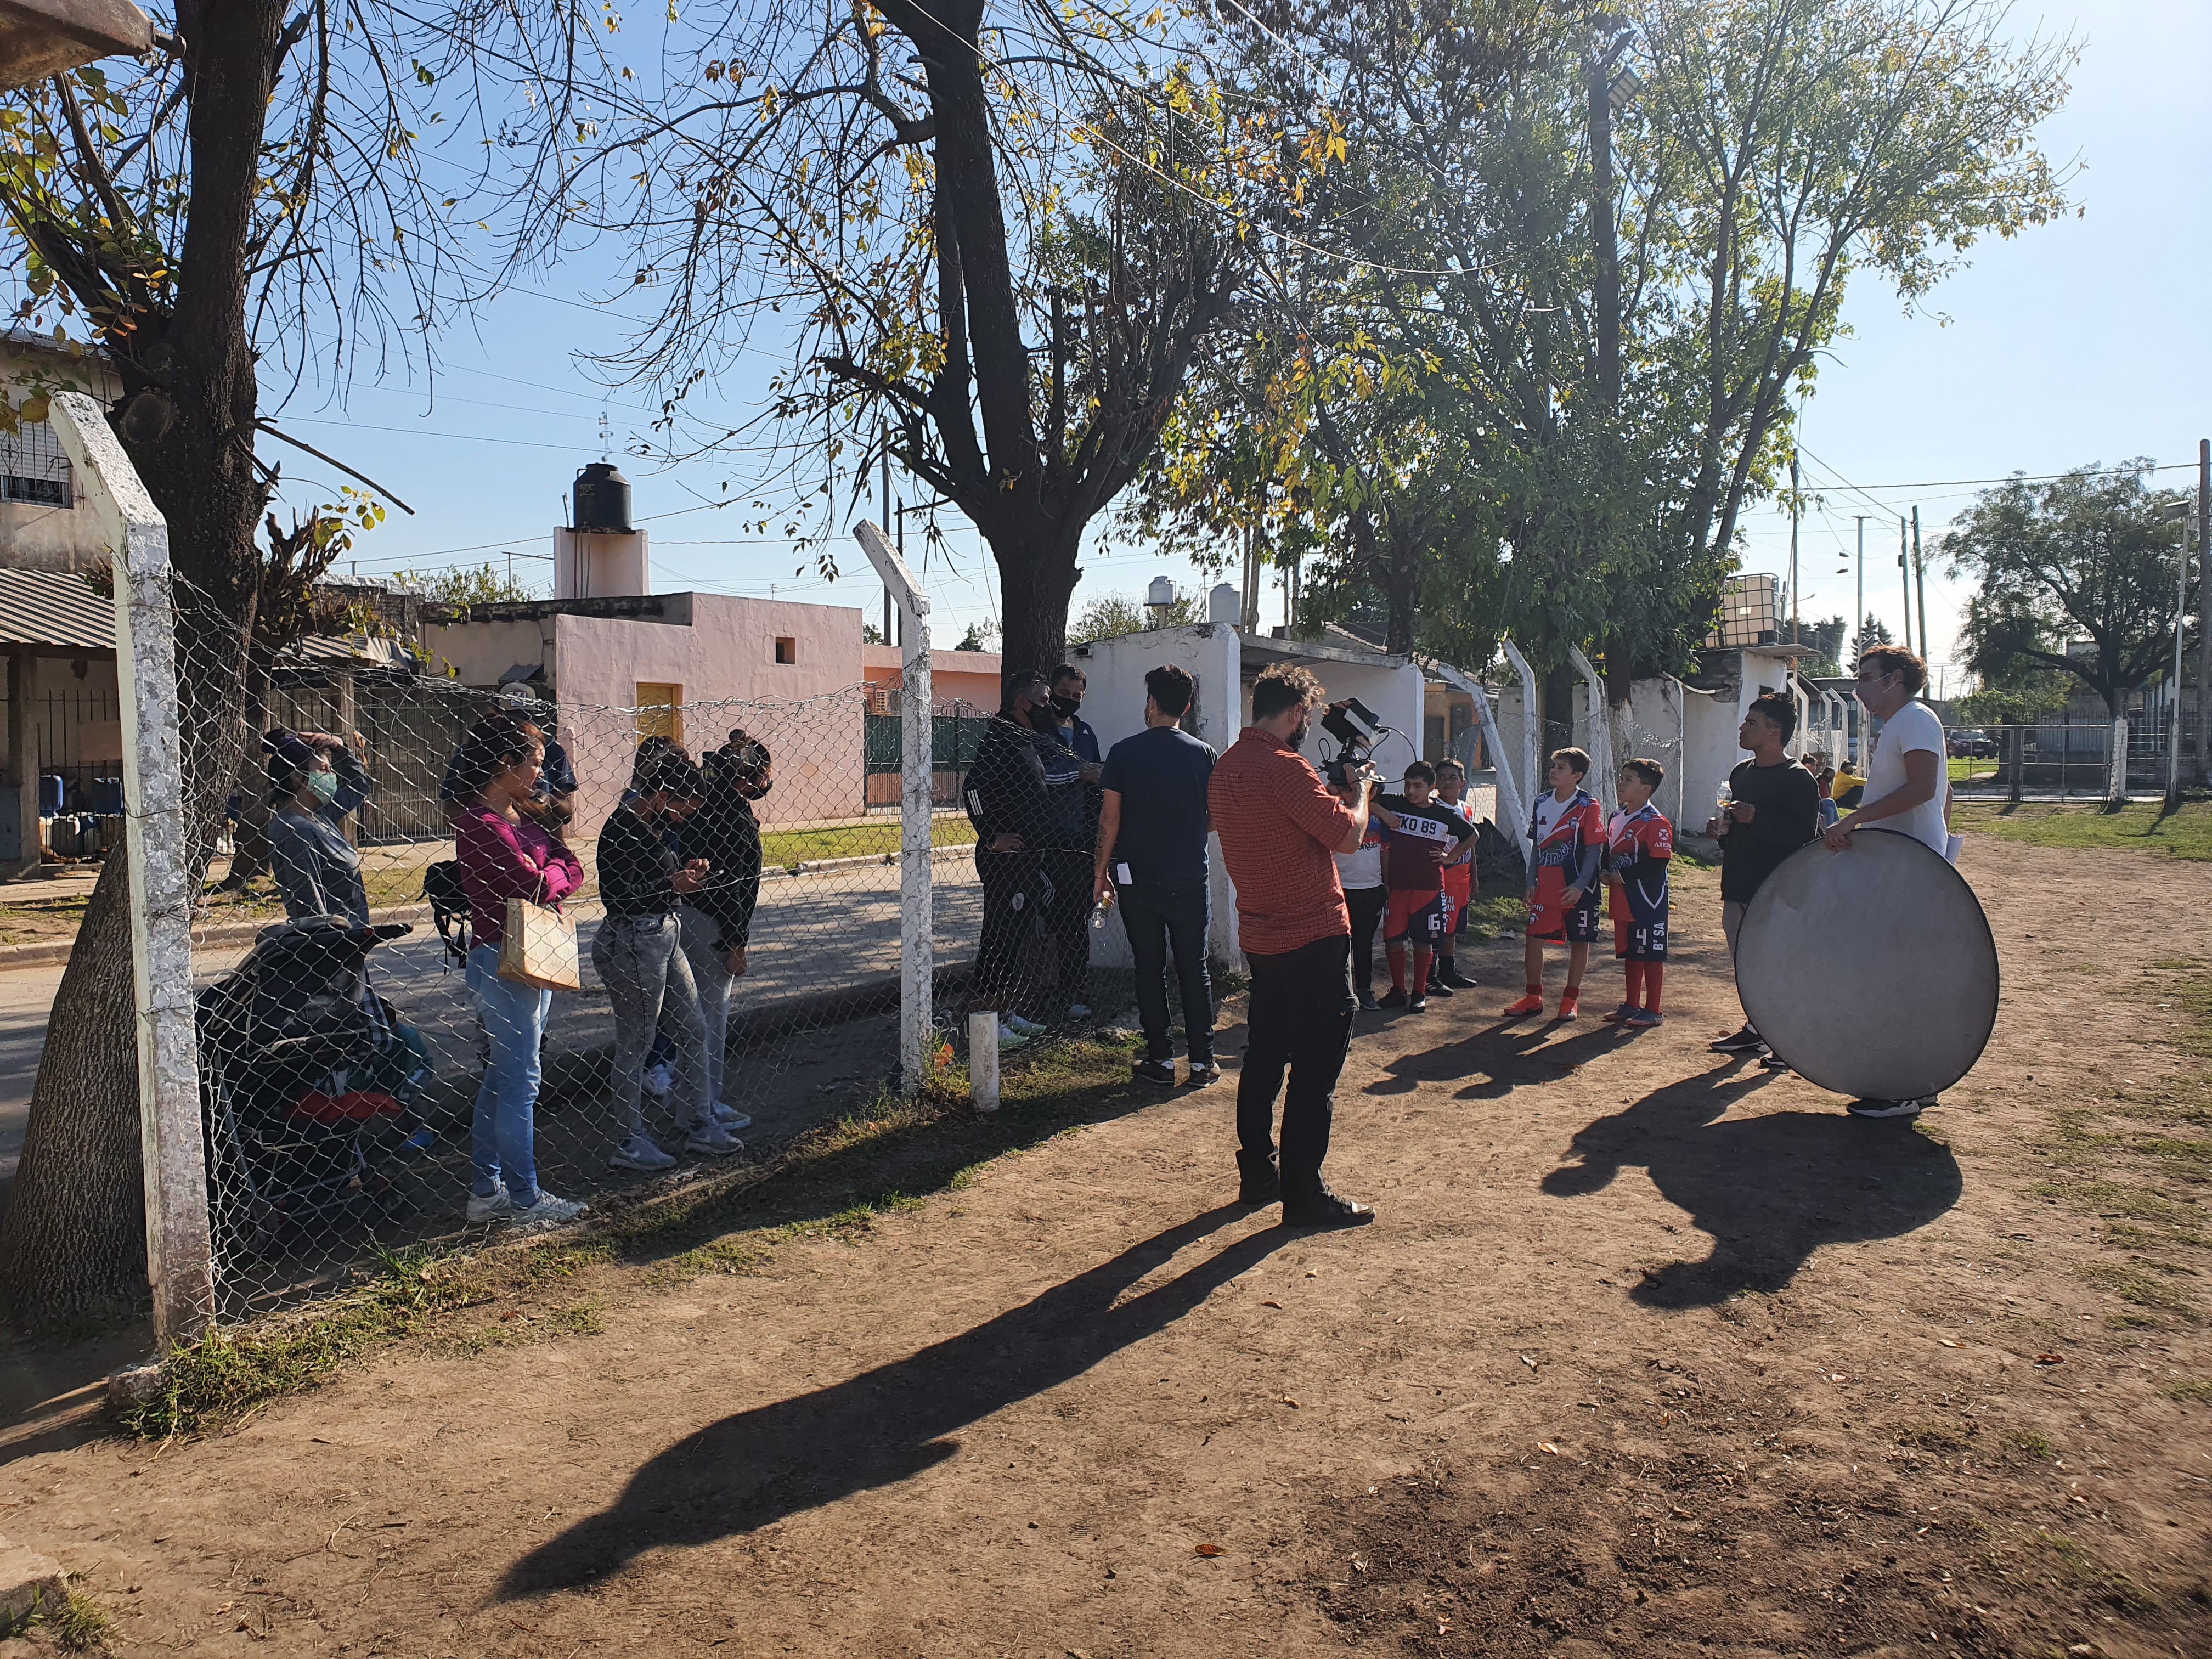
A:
731, 1118
1079, 1011
1437, 988
497, 1207
1201, 1073
1619, 1016
1452, 976
1533, 1003
1746, 1042
1772, 1061
1419, 1003
1643, 1018
1326, 1209
1154, 1071
1028, 1028
1367, 1002
1887, 1108
1570, 1004
1009, 1037
658, 1079
1393, 998
421, 1140
640, 1153
547, 1211
712, 1138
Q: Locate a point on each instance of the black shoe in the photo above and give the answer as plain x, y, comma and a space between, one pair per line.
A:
1392, 998
1367, 1002
1420, 1004
1452, 976
1772, 1061
1437, 988
1201, 1073
1746, 1042
1154, 1071
1257, 1183
1326, 1209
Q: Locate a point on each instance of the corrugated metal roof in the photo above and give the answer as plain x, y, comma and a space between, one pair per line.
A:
54, 608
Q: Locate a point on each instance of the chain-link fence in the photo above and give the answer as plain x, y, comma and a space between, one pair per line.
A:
2070, 757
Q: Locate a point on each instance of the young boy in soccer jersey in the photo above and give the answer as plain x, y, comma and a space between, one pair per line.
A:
1643, 845
1459, 883
1418, 839
1568, 829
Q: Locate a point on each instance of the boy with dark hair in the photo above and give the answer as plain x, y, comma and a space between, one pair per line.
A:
1771, 808
1459, 883
1568, 829
1643, 845
1418, 839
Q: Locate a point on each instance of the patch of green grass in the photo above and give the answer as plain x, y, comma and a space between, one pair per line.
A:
1934, 1437
2133, 1285
2147, 826
80, 1625
784, 848
2190, 1390
2028, 1442
1966, 769
1494, 914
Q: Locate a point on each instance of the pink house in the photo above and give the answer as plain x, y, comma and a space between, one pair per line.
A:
690, 665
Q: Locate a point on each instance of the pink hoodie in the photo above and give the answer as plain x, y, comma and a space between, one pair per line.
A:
501, 860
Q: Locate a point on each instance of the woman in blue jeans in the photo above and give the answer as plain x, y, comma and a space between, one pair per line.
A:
504, 854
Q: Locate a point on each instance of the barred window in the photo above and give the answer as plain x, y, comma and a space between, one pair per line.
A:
35, 467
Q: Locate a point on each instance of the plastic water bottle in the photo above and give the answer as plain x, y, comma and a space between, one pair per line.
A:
1098, 912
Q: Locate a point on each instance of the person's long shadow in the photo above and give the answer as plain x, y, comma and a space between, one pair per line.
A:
883, 1425
1501, 1057
1770, 1190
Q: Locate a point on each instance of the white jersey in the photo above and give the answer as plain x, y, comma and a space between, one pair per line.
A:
1912, 729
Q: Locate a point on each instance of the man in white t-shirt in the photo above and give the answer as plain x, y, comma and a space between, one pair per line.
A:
1906, 789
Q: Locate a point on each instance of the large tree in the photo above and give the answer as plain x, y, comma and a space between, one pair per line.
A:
2075, 576
224, 226
989, 234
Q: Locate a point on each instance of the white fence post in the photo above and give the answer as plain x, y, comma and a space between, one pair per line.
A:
917, 813
179, 1263
1528, 763
1601, 723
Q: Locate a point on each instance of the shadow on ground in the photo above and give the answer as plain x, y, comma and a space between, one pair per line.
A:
886, 1424
1770, 1190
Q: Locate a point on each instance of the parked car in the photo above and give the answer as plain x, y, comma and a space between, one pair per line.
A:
1972, 742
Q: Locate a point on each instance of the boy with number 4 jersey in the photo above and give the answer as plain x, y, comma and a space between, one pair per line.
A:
1568, 829
1643, 845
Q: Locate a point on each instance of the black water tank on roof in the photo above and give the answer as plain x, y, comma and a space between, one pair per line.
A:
602, 499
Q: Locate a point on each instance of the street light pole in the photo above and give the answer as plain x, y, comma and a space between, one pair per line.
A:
2180, 632
1858, 622
1793, 547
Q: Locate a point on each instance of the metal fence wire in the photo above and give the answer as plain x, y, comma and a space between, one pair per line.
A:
704, 896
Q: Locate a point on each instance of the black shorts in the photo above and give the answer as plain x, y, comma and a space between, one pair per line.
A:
1647, 940
1578, 926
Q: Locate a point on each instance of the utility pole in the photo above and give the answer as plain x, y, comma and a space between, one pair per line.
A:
1904, 572
885, 472
1794, 636
2203, 613
2181, 633
1920, 581
1858, 623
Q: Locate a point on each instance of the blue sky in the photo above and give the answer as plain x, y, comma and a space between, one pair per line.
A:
2086, 340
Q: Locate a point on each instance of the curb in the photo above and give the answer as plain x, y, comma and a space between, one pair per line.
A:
29, 1582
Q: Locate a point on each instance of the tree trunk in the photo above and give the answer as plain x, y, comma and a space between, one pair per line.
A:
73, 1240
2016, 747
250, 848
2116, 785
1037, 579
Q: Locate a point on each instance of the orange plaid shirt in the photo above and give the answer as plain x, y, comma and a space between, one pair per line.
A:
1280, 826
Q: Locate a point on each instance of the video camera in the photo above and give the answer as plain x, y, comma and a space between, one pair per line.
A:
1356, 729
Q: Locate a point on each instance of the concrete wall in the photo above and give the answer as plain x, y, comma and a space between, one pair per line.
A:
964, 677
1397, 694
33, 536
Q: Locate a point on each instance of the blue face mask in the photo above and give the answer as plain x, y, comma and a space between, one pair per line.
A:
325, 784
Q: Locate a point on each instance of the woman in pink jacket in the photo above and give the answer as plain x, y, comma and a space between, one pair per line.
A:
504, 855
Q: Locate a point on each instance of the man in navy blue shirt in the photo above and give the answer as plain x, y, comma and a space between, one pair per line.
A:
1071, 774
1152, 846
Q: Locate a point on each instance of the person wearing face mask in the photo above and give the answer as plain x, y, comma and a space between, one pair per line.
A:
1072, 745
1006, 794
315, 780
1279, 827
718, 918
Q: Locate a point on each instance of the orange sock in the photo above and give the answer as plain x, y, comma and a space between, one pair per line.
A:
1396, 954
1655, 974
1635, 974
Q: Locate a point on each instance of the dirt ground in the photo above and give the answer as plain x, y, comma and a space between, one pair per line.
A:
1650, 1354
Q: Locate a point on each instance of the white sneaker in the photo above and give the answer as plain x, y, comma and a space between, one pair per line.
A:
1077, 1011
547, 1211
731, 1118
497, 1207
712, 1139
639, 1152
1020, 1027
658, 1079
1008, 1037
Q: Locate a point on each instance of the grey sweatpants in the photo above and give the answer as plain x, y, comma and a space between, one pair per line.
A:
649, 983
710, 973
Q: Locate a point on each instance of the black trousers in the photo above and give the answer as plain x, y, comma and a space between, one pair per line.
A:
1159, 916
1367, 905
1009, 888
1068, 925
1300, 1020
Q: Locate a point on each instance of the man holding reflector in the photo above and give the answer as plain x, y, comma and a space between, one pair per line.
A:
1905, 785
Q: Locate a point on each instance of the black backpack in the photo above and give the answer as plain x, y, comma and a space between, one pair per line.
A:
449, 907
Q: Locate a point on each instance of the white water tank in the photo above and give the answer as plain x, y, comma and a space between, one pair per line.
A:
1224, 605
